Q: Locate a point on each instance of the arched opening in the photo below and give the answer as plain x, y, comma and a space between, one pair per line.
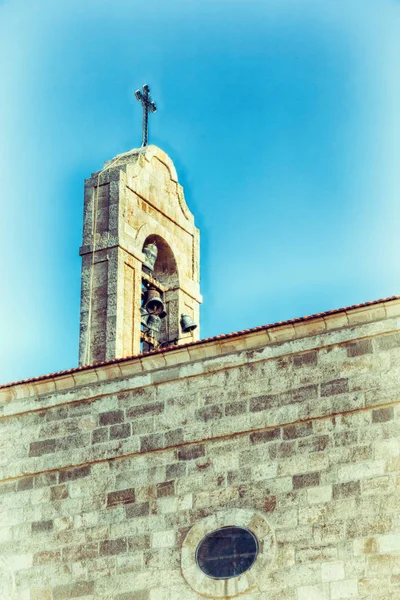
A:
160, 282
165, 268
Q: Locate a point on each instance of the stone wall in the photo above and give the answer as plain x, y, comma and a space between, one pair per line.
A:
111, 474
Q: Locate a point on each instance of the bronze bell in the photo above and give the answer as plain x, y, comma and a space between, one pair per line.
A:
187, 323
154, 323
143, 315
153, 303
150, 251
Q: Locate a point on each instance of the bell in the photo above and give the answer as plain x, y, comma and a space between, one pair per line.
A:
187, 323
153, 303
143, 315
154, 322
150, 251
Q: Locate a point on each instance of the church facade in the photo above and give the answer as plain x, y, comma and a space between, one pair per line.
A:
260, 465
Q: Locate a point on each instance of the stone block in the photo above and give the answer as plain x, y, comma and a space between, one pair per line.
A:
388, 341
389, 542
121, 497
191, 452
260, 437
46, 557
141, 509
45, 479
111, 417
313, 592
154, 408
174, 437
332, 571
163, 539
25, 484
309, 327
112, 547
121, 431
359, 348
343, 490
382, 415
100, 435
344, 589
306, 360
74, 590
42, 526
297, 431
152, 442
40, 593
235, 408
309, 553
139, 595
306, 480
320, 494
210, 413
42, 447
72, 474
337, 386
80, 553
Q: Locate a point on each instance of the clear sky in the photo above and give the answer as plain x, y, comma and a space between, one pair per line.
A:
282, 118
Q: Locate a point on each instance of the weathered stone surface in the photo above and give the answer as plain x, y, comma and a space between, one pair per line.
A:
100, 510
76, 590
265, 436
382, 415
191, 452
306, 480
121, 497
111, 417
72, 474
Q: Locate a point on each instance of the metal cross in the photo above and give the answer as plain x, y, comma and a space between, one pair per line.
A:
148, 105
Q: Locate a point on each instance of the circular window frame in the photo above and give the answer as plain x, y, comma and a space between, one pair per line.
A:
248, 581
254, 558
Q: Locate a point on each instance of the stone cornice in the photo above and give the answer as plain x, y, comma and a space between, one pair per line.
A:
273, 340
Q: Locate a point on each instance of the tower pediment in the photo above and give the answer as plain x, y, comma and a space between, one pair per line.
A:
151, 173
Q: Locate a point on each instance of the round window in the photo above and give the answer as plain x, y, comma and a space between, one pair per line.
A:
227, 552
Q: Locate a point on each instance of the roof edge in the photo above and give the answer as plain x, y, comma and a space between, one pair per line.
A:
280, 324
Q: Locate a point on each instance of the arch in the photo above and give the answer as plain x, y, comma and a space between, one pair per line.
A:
165, 268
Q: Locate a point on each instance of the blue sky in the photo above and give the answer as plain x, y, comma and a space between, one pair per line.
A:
282, 118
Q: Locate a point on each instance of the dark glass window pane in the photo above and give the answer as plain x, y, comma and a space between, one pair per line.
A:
227, 552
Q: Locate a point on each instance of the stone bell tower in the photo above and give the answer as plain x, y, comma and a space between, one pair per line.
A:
140, 259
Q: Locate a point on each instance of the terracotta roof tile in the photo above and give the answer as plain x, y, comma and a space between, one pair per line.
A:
203, 341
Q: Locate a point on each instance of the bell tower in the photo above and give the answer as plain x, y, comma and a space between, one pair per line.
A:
140, 259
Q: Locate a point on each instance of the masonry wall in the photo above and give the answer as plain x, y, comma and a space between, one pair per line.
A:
105, 471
